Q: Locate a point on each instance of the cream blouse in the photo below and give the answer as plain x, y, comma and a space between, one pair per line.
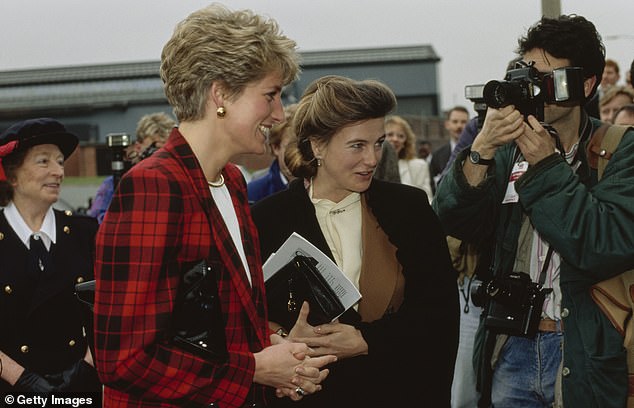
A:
341, 225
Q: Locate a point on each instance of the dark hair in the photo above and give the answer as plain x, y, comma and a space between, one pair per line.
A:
329, 104
571, 37
10, 164
457, 108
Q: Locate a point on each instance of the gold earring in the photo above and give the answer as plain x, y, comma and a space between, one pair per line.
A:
221, 112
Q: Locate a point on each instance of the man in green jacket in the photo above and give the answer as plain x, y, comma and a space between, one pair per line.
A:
526, 183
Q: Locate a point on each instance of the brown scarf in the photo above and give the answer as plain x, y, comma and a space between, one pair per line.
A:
381, 282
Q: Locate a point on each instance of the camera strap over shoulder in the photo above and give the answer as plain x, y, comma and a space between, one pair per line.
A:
542, 275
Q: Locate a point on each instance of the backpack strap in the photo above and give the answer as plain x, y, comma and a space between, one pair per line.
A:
615, 296
602, 146
608, 146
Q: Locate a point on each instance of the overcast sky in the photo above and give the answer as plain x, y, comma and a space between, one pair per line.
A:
474, 38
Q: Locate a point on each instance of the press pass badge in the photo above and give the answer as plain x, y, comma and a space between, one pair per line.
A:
511, 196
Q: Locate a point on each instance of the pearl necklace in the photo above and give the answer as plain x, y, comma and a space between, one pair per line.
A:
219, 183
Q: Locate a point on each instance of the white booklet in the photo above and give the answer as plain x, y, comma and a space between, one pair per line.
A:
345, 290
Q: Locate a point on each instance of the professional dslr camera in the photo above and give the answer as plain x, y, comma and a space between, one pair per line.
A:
514, 303
528, 90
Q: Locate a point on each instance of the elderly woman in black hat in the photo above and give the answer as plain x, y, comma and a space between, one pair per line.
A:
44, 253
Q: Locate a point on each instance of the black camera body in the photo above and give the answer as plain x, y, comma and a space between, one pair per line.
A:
117, 143
528, 90
521, 87
513, 304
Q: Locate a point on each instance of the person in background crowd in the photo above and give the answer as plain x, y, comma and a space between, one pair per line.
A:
466, 138
611, 74
44, 252
278, 176
424, 151
532, 191
625, 115
223, 73
609, 78
457, 118
151, 133
612, 100
387, 241
412, 170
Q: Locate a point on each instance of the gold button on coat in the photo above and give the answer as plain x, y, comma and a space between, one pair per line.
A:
24, 349
80, 279
68, 212
66, 229
8, 290
71, 343
1, 236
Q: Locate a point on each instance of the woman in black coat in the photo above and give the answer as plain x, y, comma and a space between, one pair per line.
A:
386, 239
44, 253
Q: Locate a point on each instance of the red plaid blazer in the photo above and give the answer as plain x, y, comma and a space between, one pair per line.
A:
159, 220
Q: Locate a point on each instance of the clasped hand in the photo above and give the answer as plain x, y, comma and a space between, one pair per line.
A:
288, 368
339, 339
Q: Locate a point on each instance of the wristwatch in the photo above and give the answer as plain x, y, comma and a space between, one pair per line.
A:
474, 157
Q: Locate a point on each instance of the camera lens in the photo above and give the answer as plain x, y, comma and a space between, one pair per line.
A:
492, 289
499, 93
477, 293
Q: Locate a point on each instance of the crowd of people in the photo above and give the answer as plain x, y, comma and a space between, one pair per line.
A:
476, 259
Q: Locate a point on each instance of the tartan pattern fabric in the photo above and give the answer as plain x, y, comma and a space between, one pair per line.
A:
158, 223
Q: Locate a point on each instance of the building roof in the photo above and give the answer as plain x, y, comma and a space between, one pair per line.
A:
79, 73
370, 55
90, 87
79, 88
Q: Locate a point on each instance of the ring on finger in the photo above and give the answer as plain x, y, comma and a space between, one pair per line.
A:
300, 391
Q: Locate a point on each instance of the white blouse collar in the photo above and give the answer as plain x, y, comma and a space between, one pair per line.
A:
47, 231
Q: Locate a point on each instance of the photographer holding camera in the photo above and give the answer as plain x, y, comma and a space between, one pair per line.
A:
152, 131
526, 182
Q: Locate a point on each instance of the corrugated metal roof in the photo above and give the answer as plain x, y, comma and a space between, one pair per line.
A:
370, 55
107, 85
79, 73
95, 94
80, 87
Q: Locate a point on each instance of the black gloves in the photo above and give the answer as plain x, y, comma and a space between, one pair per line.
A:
80, 377
32, 382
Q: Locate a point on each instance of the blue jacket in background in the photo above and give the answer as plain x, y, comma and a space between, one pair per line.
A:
266, 185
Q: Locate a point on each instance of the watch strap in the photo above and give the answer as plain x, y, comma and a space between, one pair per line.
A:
475, 158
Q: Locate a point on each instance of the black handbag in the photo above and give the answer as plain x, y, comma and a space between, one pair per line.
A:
197, 324
297, 281
85, 292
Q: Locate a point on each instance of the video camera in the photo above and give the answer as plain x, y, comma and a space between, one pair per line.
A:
514, 303
528, 90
